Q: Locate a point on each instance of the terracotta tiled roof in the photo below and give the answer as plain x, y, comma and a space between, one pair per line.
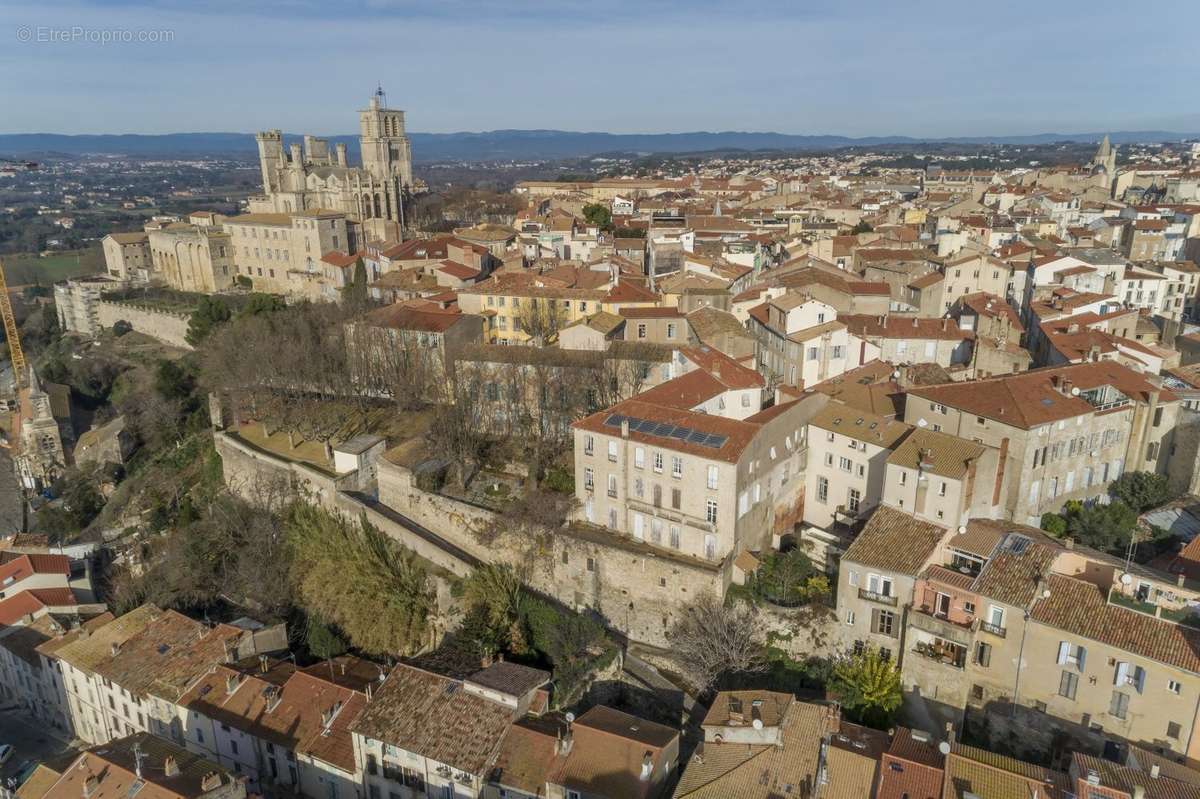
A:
457, 270
1080, 608
434, 716
427, 318
994, 776
726, 370
939, 453
860, 425
904, 327
1030, 399
896, 541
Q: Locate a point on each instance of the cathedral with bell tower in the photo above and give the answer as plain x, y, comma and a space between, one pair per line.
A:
312, 176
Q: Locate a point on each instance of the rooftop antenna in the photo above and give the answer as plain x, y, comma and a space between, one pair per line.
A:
137, 760
381, 95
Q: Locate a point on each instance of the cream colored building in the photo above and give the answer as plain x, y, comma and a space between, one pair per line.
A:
190, 257
127, 255
282, 253
848, 449
1062, 433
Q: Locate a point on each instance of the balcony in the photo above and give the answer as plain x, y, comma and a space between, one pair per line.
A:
948, 654
993, 629
922, 619
875, 596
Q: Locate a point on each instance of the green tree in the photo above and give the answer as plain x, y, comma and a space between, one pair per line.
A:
1106, 527
598, 214
210, 313
868, 686
862, 227
172, 381
259, 303
1141, 490
783, 576
323, 642
1055, 524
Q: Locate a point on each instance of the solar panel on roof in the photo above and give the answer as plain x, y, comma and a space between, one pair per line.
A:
715, 441
646, 426
664, 430
681, 433
614, 420
696, 437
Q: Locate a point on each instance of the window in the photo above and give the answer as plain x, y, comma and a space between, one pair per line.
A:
658, 462
812, 353
1119, 706
1173, 730
641, 331
612, 451
712, 476
828, 458
1068, 684
743, 503
983, 654
676, 466
676, 498
883, 622
612, 485
588, 479
969, 608
879, 584
849, 617
822, 489
942, 489
674, 537
996, 616
639, 457
853, 499
639, 488
591, 564
670, 330
844, 464
589, 444
710, 511
1173, 686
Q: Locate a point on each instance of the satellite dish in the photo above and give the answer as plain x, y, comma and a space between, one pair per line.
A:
962, 528
1046, 594
569, 717
756, 724
944, 747
1075, 391
1126, 578
922, 423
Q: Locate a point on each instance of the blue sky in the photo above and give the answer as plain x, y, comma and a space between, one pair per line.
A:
870, 67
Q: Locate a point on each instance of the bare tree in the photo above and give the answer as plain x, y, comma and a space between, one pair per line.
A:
713, 640
459, 428
540, 319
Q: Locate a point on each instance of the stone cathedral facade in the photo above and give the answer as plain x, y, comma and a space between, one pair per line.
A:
315, 176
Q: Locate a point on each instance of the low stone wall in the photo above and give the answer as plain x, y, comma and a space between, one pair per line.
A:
169, 327
259, 476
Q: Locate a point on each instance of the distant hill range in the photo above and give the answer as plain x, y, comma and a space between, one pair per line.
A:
528, 144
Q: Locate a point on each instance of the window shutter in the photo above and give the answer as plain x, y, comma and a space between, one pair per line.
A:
1064, 649
874, 620
1139, 678
1082, 657
1122, 673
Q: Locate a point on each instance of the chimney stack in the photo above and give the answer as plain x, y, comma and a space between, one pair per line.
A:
170, 767
210, 782
624, 428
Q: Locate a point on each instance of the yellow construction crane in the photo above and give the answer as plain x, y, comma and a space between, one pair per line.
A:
17, 355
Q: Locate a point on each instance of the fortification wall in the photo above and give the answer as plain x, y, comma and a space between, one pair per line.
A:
169, 327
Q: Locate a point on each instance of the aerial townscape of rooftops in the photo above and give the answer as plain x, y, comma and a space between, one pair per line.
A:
332, 468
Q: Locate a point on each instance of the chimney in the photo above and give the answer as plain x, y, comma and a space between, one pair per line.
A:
566, 740
210, 782
647, 767
231, 683
1139, 792
1154, 769
262, 664
624, 428
114, 648
341, 153
1069, 542
170, 767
